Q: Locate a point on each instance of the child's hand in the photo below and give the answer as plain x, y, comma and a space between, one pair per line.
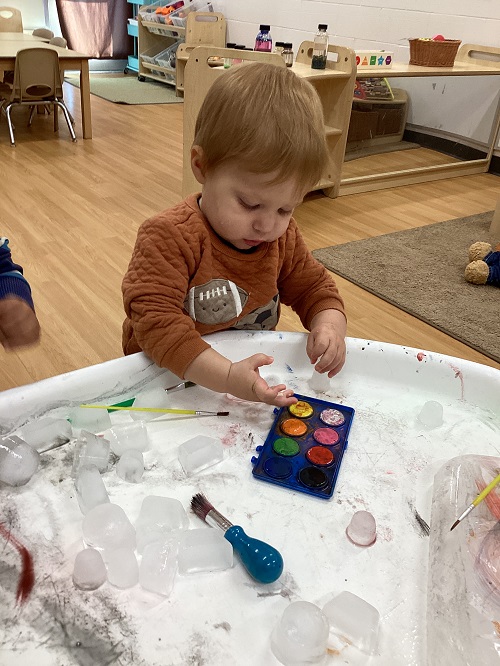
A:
244, 381
19, 326
326, 342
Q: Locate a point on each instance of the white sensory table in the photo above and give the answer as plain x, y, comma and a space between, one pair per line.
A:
226, 618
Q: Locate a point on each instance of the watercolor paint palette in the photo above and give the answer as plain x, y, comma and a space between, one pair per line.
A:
305, 446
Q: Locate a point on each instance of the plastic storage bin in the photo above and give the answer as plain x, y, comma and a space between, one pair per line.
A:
179, 17
150, 54
167, 57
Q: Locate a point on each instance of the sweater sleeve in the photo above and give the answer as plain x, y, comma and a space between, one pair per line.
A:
305, 284
154, 289
12, 281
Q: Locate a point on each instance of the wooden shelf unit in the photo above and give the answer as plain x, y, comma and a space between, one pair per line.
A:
471, 60
201, 28
334, 85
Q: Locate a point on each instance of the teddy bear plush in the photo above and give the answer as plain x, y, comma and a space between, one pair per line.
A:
484, 264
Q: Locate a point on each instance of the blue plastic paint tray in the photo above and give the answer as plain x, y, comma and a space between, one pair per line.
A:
305, 446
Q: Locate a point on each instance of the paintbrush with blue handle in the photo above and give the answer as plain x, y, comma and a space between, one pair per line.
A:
262, 561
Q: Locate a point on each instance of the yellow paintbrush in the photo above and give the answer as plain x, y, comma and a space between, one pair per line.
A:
477, 501
193, 412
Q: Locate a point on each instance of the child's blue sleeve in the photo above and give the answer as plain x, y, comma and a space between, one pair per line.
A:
12, 280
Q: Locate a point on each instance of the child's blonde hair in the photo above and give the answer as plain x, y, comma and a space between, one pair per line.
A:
268, 119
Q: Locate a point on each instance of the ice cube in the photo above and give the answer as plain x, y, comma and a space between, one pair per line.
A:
93, 420
130, 467
90, 489
89, 571
301, 635
90, 450
362, 530
152, 398
159, 566
199, 453
204, 549
18, 461
319, 381
107, 527
353, 621
128, 436
122, 567
47, 433
431, 415
159, 516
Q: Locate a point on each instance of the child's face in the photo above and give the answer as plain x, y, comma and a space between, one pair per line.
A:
244, 208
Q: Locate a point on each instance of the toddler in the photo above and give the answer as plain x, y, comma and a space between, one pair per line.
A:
228, 257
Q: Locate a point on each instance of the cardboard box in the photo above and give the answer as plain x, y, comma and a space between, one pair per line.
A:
374, 59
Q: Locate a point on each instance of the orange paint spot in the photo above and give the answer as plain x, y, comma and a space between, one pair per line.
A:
294, 427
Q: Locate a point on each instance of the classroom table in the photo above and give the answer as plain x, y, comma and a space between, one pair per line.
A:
68, 60
21, 37
226, 618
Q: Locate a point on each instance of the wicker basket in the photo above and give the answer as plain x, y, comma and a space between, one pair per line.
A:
430, 53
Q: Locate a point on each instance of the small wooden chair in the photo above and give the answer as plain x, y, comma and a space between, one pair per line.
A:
11, 20
44, 33
59, 41
37, 82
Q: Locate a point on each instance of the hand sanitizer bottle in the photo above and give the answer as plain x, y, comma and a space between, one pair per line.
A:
320, 47
263, 41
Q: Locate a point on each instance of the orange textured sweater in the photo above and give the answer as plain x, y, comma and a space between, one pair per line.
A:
183, 282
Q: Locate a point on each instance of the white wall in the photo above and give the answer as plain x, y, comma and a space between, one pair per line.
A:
37, 14
462, 106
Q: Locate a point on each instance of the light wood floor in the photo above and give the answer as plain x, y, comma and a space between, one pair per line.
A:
398, 160
72, 211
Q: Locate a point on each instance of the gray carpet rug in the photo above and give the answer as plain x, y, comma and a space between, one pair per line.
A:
128, 89
421, 271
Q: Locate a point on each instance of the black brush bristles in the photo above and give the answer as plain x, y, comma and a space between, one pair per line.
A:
200, 505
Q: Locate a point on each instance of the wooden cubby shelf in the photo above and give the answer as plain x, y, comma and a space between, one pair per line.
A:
334, 85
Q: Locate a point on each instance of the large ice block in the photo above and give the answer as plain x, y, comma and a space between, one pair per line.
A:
159, 516
301, 635
127, 436
46, 433
199, 453
90, 450
107, 527
90, 488
204, 549
156, 397
353, 621
159, 566
122, 567
89, 571
18, 461
130, 467
92, 420
463, 602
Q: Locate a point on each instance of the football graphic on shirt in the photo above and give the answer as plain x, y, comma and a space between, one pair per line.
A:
264, 318
215, 302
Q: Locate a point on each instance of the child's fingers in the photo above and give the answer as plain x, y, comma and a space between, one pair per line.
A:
258, 360
317, 344
278, 395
